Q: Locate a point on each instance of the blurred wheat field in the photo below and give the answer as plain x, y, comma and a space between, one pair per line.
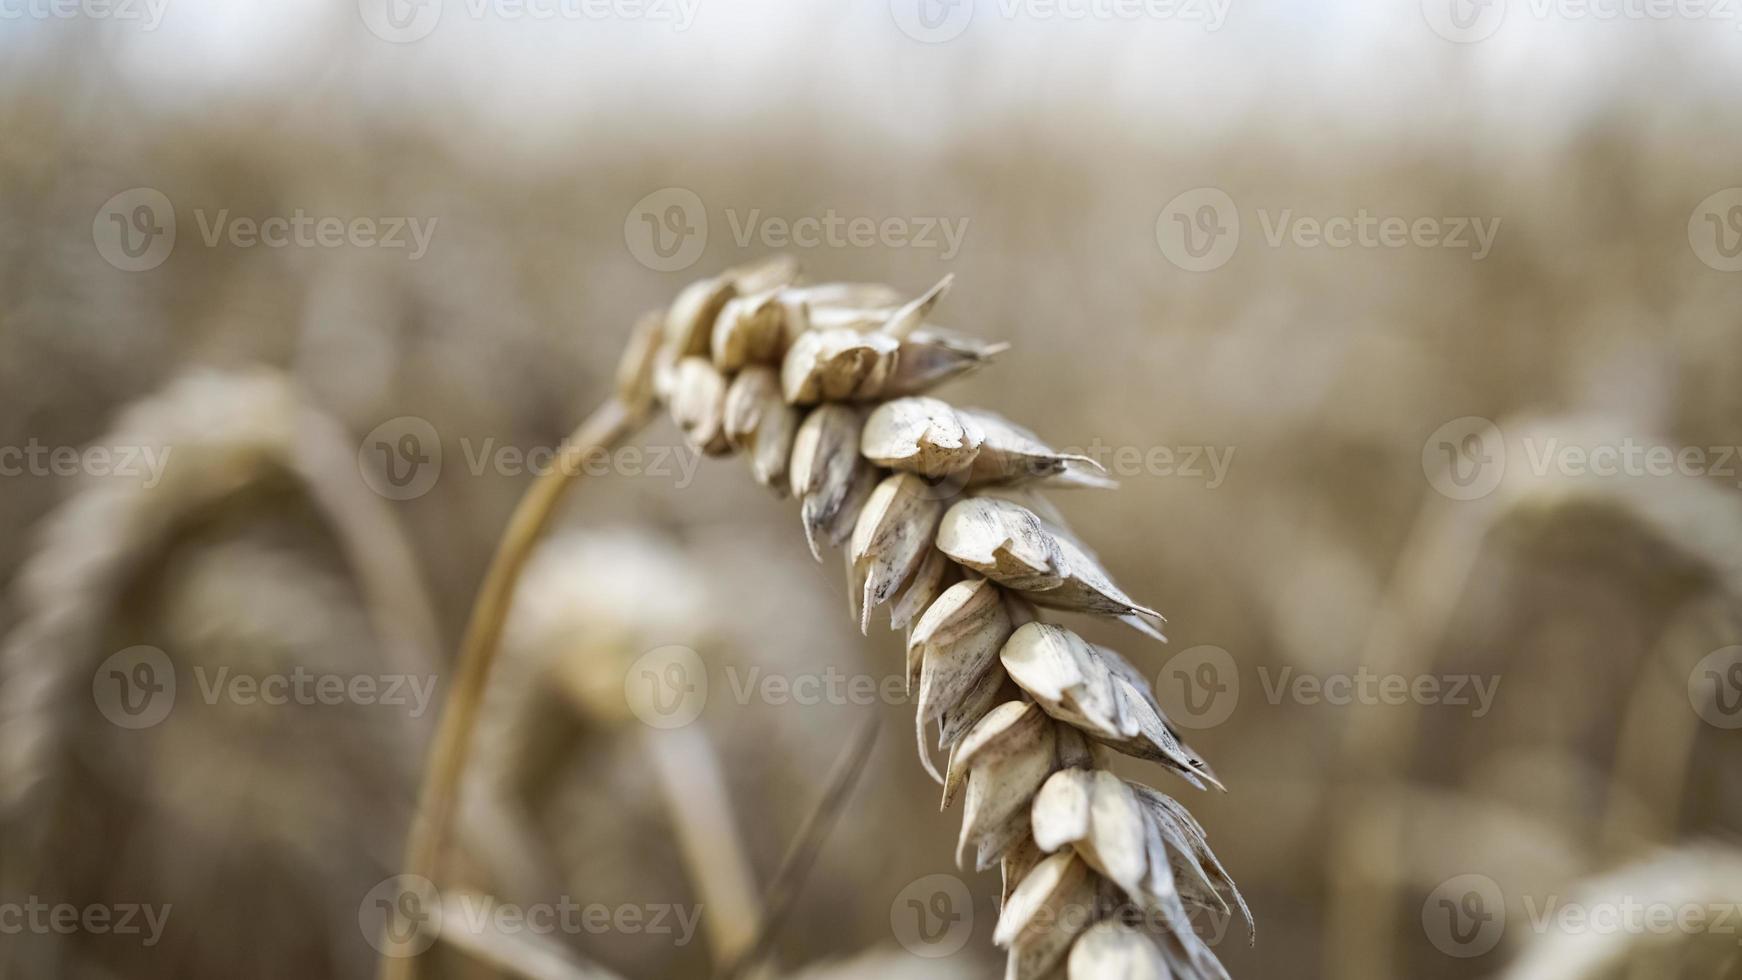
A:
1273, 420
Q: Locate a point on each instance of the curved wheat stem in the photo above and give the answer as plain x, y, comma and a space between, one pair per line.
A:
609, 425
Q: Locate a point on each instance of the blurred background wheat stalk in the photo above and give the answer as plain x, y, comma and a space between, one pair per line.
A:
1056, 146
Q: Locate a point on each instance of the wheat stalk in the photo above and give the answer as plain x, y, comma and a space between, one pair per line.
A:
938, 511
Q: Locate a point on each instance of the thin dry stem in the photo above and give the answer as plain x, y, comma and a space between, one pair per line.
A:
609, 425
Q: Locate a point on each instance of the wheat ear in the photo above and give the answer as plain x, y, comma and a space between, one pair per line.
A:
821, 387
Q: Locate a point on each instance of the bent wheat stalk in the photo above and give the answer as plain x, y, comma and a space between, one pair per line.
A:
942, 524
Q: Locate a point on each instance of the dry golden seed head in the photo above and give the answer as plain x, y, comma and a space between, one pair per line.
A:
921, 435
636, 369
1095, 812
689, 323
762, 275
935, 573
1011, 724
1095, 690
1206, 882
772, 443
1044, 915
1012, 454
1009, 544
835, 365
908, 318
956, 641
829, 475
849, 318
749, 330
698, 402
931, 356
1003, 541
1000, 787
1016, 864
1111, 948
748, 398
891, 538
845, 295
992, 689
